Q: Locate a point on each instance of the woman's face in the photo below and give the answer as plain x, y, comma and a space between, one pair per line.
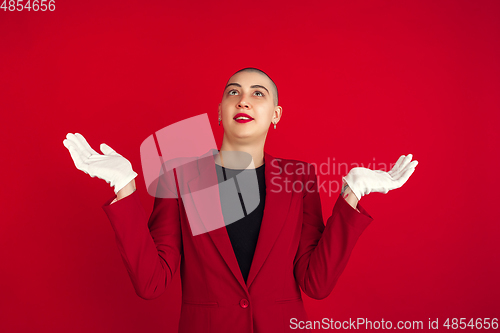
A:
249, 93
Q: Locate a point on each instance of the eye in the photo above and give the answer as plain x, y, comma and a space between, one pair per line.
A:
230, 92
258, 92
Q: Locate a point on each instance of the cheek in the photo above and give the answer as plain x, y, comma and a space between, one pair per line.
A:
264, 111
225, 105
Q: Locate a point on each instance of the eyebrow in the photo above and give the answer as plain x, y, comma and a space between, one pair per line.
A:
254, 86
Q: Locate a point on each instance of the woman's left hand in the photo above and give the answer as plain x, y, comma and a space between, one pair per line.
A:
363, 181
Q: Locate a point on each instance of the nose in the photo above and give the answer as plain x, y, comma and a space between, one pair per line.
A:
243, 103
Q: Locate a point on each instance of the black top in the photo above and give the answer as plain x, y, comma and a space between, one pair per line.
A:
244, 232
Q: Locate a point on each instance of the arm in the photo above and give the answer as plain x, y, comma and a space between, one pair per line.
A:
150, 248
323, 252
125, 192
349, 196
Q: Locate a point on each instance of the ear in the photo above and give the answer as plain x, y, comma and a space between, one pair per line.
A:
278, 111
220, 110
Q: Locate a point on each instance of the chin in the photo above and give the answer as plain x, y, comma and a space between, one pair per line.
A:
244, 134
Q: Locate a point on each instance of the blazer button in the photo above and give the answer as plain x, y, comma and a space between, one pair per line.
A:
244, 303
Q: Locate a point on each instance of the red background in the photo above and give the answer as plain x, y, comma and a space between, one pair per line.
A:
357, 80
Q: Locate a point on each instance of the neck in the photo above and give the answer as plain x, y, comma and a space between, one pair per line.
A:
254, 149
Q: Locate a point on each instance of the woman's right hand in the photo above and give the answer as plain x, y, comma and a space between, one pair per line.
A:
111, 166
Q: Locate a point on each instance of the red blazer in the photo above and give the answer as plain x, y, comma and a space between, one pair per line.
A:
295, 251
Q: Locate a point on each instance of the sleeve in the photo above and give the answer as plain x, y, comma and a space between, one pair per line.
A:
323, 252
150, 248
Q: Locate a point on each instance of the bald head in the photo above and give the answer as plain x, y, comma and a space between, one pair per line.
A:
274, 89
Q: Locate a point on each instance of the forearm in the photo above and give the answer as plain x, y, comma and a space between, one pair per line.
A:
125, 192
324, 251
349, 196
150, 248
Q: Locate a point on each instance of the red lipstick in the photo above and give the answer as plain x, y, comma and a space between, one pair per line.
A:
243, 120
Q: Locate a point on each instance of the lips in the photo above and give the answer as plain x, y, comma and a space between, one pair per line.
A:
242, 115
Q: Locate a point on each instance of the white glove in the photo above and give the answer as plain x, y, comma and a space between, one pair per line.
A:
363, 181
111, 167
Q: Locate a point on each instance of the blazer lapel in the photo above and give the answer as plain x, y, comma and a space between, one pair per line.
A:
210, 213
275, 211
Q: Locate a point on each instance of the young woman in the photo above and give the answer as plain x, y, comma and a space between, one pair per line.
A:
246, 276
